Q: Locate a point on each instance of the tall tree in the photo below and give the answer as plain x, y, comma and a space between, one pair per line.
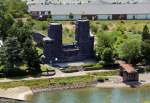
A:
146, 50
145, 47
31, 57
21, 31
104, 40
71, 16
130, 50
107, 56
145, 34
6, 25
6, 21
16, 7
10, 53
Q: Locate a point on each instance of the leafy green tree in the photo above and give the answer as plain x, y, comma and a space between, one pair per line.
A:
71, 16
49, 16
146, 50
130, 50
10, 55
105, 27
121, 28
104, 40
21, 31
30, 21
6, 21
16, 7
145, 34
95, 27
107, 56
2, 7
2, 56
29, 53
30, 56
145, 47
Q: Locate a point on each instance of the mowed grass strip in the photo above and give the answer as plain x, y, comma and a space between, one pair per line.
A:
43, 83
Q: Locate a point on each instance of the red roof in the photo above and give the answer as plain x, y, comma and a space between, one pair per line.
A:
127, 67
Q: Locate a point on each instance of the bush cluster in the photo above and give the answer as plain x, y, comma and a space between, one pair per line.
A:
92, 67
70, 69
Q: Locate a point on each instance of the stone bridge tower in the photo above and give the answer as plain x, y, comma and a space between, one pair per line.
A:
84, 38
55, 33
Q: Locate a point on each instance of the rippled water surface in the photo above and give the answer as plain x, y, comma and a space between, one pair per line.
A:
94, 95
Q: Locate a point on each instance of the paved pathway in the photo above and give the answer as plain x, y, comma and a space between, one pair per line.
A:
58, 74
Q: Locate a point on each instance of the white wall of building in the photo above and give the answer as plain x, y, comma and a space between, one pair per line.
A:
140, 17
131, 16
148, 16
65, 17
60, 17
76, 17
104, 17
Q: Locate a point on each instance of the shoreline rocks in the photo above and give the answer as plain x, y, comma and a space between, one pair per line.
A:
65, 87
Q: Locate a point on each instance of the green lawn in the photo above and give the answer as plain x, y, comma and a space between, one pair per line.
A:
58, 81
46, 82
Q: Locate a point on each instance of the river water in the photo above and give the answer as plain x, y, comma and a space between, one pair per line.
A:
94, 95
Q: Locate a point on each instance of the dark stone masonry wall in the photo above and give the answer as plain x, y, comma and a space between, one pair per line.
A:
55, 51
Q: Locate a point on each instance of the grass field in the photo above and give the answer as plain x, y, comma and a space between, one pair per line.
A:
128, 27
43, 83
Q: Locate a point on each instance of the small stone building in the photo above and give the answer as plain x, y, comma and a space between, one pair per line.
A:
128, 73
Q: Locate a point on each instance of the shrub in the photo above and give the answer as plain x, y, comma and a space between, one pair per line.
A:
45, 68
30, 21
147, 69
66, 30
2, 68
70, 70
107, 73
104, 27
94, 28
15, 73
88, 65
44, 26
93, 67
101, 79
121, 28
107, 56
129, 51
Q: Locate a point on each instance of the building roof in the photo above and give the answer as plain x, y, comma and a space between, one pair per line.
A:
83, 1
93, 8
126, 67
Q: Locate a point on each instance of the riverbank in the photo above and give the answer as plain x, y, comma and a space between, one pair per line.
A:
20, 89
21, 93
64, 87
18, 93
